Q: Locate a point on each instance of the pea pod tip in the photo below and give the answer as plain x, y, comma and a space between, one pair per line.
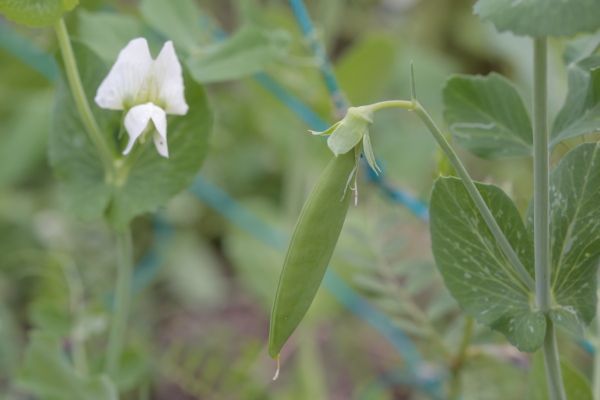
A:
277, 360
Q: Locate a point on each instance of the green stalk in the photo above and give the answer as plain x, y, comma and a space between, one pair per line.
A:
597, 346
541, 216
77, 305
121, 302
485, 212
81, 102
459, 360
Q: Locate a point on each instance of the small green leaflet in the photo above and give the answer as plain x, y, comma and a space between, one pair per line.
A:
48, 374
36, 13
248, 51
575, 232
474, 267
486, 115
538, 18
151, 180
580, 114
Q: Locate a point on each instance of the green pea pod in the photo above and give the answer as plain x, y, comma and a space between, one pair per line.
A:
314, 239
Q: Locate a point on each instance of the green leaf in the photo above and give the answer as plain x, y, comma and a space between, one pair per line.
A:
372, 56
580, 114
47, 374
486, 115
310, 250
539, 18
178, 20
36, 13
23, 142
575, 237
581, 47
576, 385
474, 267
107, 33
248, 51
139, 187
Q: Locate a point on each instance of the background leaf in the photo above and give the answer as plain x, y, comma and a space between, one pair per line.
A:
177, 20
580, 114
575, 233
107, 33
576, 385
487, 116
249, 50
36, 13
48, 374
475, 269
541, 17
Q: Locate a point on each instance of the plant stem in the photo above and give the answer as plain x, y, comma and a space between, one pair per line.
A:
597, 344
541, 194
77, 305
458, 362
404, 104
541, 214
121, 302
556, 389
79, 96
485, 212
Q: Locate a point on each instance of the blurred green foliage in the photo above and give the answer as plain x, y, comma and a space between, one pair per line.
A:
199, 328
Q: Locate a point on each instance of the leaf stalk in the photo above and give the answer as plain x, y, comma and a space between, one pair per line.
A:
541, 217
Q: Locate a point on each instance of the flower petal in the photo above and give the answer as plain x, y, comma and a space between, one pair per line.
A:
160, 136
126, 77
327, 131
369, 154
345, 137
137, 119
168, 76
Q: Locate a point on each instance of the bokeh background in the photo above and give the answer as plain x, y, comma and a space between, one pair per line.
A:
383, 327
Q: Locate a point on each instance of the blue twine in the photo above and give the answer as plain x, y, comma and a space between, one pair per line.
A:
27, 52
312, 37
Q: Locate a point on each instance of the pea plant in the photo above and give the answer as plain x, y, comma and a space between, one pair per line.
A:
522, 276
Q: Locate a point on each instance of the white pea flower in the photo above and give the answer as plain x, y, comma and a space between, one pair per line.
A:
147, 89
346, 134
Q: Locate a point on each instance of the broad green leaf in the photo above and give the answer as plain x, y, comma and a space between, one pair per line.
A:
48, 374
575, 233
474, 267
310, 250
248, 51
177, 20
107, 33
580, 114
539, 18
486, 115
36, 13
576, 385
151, 180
